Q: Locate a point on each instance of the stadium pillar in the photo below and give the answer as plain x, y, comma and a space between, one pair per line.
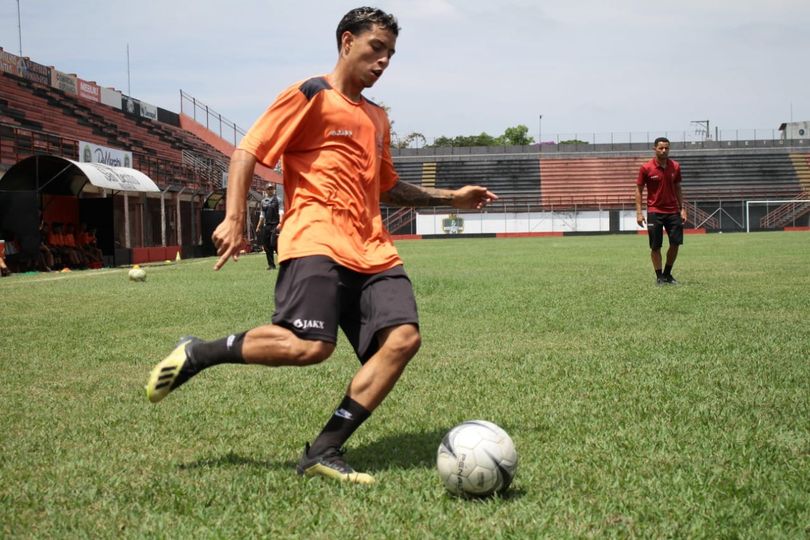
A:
127, 241
178, 218
163, 217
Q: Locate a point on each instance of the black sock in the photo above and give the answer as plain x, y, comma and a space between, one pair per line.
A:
344, 421
228, 350
658, 272
668, 270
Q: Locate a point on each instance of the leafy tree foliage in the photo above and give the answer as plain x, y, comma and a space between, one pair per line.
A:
517, 135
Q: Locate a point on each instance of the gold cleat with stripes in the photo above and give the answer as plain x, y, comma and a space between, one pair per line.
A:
331, 465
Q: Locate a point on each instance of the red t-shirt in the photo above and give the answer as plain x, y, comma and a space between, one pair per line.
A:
660, 182
336, 160
56, 239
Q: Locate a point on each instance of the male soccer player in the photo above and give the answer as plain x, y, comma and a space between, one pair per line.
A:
338, 265
665, 209
268, 224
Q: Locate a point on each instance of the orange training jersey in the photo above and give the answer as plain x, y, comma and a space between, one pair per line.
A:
56, 239
336, 162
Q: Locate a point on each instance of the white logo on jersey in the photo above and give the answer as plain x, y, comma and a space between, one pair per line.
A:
303, 324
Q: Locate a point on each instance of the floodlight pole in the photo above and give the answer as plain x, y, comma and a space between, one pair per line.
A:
19, 25
129, 87
540, 130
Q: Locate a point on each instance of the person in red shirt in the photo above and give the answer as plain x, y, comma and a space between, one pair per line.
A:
57, 242
338, 263
665, 209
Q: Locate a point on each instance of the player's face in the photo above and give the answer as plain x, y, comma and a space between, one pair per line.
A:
662, 150
369, 54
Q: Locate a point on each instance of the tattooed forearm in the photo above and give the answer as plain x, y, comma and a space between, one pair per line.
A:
405, 194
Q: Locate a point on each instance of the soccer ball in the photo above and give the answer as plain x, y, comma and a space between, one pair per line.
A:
137, 274
476, 459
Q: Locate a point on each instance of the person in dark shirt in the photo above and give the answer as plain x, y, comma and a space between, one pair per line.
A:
267, 226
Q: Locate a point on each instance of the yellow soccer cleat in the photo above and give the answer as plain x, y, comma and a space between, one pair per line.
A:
170, 373
331, 465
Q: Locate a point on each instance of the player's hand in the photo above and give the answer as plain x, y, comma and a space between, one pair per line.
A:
228, 240
684, 214
640, 219
472, 197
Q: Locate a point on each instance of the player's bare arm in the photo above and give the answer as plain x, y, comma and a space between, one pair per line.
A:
681, 205
405, 194
228, 237
639, 214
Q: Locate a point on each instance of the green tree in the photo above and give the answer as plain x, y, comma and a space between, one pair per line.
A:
517, 136
414, 138
482, 139
573, 141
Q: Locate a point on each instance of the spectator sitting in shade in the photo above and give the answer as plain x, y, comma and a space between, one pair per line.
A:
86, 243
56, 241
49, 254
4, 270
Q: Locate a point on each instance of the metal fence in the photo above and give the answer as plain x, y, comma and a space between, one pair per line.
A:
211, 119
726, 215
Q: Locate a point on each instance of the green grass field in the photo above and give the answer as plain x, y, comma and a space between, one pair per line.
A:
637, 411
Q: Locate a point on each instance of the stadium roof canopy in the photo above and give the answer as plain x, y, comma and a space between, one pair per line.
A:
59, 176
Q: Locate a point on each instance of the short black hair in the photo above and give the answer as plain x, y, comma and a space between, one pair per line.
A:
361, 19
658, 140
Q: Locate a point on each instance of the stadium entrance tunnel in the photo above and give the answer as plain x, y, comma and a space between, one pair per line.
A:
55, 189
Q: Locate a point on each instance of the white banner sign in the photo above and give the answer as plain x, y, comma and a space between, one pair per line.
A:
116, 178
111, 97
92, 153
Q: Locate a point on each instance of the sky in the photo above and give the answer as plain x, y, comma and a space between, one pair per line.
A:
462, 67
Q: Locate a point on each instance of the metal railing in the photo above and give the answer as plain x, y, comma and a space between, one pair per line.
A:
620, 141
211, 119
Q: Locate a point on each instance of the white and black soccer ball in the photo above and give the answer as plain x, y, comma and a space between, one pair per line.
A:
136, 273
476, 459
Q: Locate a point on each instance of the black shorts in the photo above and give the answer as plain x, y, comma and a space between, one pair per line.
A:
315, 295
656, 223
269, 235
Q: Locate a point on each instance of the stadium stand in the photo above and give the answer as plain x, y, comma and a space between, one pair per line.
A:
739, 176
589, 181
46, 114
609, 181
163, 152
516, 180
563, 181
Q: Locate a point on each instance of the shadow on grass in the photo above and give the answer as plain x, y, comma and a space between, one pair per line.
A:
400, 451
235, 460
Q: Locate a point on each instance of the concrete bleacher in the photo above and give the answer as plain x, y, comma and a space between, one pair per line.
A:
739, 176
51, 112
801, 164
517, 181
589, 181
707, 177
584, 180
